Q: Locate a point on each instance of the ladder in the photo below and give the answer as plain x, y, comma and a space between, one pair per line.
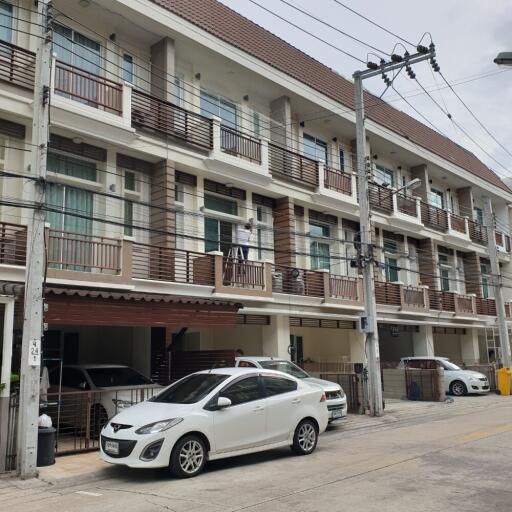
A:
492, 342
234, 259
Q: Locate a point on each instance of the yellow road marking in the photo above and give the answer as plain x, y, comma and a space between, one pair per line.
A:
474, 436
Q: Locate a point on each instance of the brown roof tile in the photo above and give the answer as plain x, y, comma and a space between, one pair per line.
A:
231, 27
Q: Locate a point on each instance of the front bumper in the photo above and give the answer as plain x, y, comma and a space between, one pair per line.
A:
479, 386
337, 409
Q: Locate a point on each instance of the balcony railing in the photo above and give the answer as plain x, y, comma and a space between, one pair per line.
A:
486, 306
434, 217
338, 181
83, 252
243, 274
17, 65
168, 120
295, 281
387, 293
239, 144
458, 223
175, 265
13, 244
477, 232
88, 88
344, 287
291, 166
406, 205
381, 198
414, 298
465, 304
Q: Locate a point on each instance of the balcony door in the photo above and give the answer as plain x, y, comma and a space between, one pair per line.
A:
218, 235
5, 22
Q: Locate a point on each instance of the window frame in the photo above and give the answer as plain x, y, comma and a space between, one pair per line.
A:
12, 15
318, 143
280, 378
439, 194
241, 379
128, 58
379, 173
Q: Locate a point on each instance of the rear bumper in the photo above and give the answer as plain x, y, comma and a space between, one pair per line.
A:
337, 410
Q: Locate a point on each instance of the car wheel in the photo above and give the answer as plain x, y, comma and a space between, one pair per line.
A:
458, 388
188, 457
305, 437
99, 419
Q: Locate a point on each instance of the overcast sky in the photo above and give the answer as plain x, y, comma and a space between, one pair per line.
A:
467, 33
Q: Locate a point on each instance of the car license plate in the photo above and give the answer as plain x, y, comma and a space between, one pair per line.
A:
336, 414
112, 447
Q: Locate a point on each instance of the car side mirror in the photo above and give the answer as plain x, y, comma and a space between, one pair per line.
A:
82, 385
223, 402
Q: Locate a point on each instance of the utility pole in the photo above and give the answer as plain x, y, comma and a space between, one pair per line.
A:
497, 282
35, 264
366, 261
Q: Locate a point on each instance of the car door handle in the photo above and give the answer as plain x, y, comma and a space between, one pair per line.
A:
296, 401
258, 408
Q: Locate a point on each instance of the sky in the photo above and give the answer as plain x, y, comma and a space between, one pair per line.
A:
468, 34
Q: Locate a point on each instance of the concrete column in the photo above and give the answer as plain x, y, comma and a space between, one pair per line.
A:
162, 70
469, 347
423, 341
357, 354
276, 337
284, 236
163, 219
420, 172
280, 121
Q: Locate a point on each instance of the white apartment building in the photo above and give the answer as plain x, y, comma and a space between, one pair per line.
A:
176, 122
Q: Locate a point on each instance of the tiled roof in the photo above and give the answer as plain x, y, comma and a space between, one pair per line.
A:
231, 27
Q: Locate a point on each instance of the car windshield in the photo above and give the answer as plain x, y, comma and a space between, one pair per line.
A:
450, 366
191, 389
108, 377
284, 366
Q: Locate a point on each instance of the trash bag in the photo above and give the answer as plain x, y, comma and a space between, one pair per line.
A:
44, 421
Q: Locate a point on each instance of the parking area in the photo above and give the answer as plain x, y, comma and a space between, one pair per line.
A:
446, 456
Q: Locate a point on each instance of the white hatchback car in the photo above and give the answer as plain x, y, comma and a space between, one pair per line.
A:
216, 414
457, 381
336, 398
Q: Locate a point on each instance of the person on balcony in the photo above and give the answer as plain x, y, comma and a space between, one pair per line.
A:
243, 237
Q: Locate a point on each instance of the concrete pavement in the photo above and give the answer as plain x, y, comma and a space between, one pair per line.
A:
419, 457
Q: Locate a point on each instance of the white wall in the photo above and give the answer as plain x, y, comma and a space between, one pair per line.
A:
244, 337
324, 344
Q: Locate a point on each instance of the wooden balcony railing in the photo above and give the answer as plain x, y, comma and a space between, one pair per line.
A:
243, 274
13, 244
414, 298
465, 304
168, 120
442, 301
338, 181
239, 144
297, 281
17, 65
434, 217
485, 306
344, 287
477, 232
406, 205
500, 239
83, 252
387, 293
458, 223
291, 166
174, 265
381, 198
88, 88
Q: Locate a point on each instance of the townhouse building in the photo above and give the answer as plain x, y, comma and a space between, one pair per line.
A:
176, 122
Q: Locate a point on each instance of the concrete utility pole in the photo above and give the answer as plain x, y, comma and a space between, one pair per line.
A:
35, 265
366, 263
497, 282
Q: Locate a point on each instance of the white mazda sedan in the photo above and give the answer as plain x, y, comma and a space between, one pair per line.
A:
216, 414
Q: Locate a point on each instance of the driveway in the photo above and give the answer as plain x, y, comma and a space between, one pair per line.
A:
419, 456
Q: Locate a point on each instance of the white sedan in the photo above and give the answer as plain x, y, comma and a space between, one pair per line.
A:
216, 414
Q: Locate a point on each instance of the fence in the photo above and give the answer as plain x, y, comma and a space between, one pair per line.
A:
13, 244
351, 384
9, 444
296, 281
424, 385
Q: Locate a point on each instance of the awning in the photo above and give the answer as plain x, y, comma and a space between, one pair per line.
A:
81, 306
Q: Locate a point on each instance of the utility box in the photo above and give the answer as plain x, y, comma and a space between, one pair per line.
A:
503, 381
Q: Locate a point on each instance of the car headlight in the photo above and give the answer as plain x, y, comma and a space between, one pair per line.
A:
158, 426
473, 379
122, 404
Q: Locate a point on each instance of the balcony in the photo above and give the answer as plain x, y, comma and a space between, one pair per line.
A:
338, 181
288, 165
477, 232
381, 198
240, 145
388, 294
17, 66
434, 217
414, 298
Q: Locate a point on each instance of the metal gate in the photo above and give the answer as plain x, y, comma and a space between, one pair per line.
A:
423, 385
351, 384
11, 430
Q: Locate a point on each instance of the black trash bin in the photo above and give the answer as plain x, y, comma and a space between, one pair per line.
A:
45, 446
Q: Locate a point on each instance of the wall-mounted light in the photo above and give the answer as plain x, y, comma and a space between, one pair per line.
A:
228, 185
77, 140
197, 76
302, 123
375, 157
84, 3
112, 37
335, 139
246, 97
112, 187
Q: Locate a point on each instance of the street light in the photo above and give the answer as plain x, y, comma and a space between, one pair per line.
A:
504, 59
413, 184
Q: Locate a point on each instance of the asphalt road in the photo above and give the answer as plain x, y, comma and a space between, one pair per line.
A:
419, 457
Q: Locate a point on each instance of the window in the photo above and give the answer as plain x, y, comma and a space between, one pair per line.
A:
128, 68
319, 230
285, 367
72, 378
243, 391
129, 181
179, 192
342, 160
278, 385
103, 377
319, 251
436, 198
190, 389
256, 124
486, 286
5, 22
444, 272
315, 148
219, 204
246, 364
72, 167
390, 246
218, 235
128, 218
212, 105
391, 269
179, 91
384, 177
478, 215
